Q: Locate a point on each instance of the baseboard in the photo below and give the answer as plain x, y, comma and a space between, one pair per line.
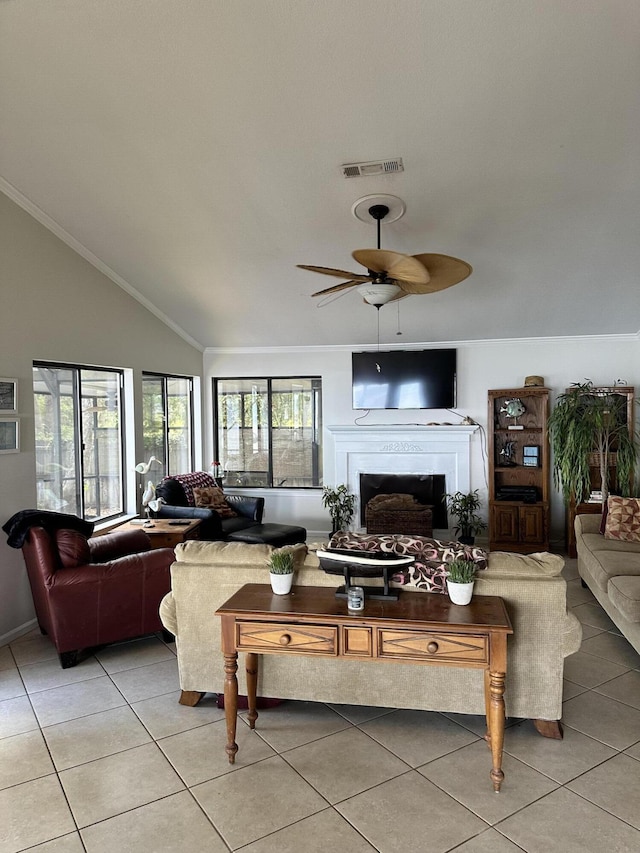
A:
10, 636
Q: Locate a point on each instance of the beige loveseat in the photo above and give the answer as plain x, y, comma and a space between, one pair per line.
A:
206, 574
611, 570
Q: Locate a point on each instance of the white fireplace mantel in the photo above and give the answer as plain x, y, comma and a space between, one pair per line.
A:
400, 449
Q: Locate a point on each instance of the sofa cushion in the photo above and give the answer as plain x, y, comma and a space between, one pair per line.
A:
623, 519
595, 542
299, 552
525, 565
73, 548
212, 497
235, 553
624, 593
222, 553
610, 564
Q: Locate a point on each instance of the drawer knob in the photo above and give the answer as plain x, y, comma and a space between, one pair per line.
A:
432, 647
285, 639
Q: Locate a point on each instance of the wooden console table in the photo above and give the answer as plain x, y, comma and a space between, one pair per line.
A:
419, 628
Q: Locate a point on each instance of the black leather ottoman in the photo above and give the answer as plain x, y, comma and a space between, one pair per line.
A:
269, 534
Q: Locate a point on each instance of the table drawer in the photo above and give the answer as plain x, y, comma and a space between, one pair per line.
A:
421, 645
301, 639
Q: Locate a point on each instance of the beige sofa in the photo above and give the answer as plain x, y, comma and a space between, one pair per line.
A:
206, 574
611, 570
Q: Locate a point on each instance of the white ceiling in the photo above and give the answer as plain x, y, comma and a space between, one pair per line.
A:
193, 147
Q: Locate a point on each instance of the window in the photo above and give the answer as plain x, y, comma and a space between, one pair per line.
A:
269, 432
79, 440
167, 416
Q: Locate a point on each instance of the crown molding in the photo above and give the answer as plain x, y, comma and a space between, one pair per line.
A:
51, 225
618, 338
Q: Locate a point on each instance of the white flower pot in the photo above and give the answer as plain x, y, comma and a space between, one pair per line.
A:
460, 593
281, 584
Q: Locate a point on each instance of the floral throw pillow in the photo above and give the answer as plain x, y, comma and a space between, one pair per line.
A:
429, 571
213, 498
623, 519
349, 541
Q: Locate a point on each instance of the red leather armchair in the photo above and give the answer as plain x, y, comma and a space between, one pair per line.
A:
89, 592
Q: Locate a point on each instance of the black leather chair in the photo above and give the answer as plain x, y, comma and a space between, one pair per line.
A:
177, 494
245, 526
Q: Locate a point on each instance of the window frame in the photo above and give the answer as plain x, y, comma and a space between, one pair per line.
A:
79, 438
316, 459
165, 377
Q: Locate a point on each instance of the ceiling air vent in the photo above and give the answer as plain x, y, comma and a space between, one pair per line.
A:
374, 167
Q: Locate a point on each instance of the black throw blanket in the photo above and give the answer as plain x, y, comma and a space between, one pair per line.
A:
18, 526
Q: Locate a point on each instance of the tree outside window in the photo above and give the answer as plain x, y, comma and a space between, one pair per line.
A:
269, 431
79, 440
167, 418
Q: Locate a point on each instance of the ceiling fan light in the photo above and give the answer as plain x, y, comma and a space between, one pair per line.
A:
376, 293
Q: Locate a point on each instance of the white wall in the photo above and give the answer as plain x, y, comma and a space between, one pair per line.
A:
482, 365
56, 306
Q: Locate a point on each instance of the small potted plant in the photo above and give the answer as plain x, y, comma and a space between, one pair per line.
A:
341, 505
281, 572
464, 507
461, 576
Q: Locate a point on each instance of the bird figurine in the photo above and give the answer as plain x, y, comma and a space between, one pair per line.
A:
143, 467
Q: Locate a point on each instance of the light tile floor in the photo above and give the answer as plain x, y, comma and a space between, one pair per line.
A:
102, 758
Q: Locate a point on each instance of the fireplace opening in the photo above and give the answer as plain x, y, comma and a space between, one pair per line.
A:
427, 489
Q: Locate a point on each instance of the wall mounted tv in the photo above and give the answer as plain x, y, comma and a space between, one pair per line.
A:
404, 379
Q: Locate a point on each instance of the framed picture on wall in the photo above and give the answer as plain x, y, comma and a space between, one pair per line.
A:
9, 435
8, 396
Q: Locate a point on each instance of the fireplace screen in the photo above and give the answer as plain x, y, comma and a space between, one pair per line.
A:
426, 488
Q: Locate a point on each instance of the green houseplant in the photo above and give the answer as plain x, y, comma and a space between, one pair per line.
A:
280, 566
590, 422
464, 507
341, 505
461, 576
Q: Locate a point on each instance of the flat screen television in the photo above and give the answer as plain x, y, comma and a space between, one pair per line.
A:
404, 379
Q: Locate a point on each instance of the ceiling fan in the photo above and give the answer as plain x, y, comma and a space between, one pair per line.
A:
391, 275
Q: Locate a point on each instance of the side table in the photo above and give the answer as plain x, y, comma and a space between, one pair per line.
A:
165, 533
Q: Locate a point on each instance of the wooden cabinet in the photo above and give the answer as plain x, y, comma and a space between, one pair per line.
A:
518, 469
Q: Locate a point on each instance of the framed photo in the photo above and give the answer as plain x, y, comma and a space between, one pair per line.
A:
8, 396
9, 435
531, 456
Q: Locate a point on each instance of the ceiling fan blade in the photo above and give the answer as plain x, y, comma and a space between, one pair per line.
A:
444, 271
402, 268
353, 276
337, 287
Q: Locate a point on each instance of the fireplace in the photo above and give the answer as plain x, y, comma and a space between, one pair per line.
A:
444, 451
427, 489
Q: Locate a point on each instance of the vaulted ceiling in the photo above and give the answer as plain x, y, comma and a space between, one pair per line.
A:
192, 148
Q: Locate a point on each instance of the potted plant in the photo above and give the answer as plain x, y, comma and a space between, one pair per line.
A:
341, 505
461, 576
280, 565
464, 507
588, 430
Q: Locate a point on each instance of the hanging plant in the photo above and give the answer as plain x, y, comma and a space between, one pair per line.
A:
590, 424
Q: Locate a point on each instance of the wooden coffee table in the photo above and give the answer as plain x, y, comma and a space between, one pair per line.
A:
165, 533
419, 628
